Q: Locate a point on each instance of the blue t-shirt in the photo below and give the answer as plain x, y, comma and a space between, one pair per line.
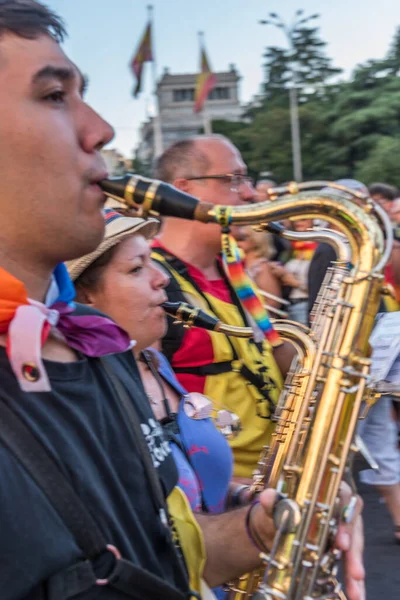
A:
204, 460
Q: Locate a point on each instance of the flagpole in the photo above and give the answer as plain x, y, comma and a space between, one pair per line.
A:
157, 129
206, 117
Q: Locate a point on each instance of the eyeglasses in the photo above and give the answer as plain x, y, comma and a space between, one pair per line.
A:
236, 180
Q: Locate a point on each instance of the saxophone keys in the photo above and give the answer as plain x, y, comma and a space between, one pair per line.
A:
267, 559
334, 460
296, 469
287, 516
349, 510
263, 594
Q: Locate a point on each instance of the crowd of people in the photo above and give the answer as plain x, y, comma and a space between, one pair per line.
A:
116, 479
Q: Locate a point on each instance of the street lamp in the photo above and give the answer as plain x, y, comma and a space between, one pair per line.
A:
289, 31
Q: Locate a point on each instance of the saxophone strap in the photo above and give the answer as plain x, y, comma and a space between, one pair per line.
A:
170, 346
236, 366
239, 279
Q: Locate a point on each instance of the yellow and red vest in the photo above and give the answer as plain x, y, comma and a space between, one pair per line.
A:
237, 374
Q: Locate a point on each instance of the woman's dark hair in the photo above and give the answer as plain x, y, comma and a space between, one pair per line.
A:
90, 279
30, 19
382, 189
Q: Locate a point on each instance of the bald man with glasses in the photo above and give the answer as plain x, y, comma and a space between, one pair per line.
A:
244, 376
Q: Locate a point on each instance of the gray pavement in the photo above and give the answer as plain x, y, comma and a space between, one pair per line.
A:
382, 554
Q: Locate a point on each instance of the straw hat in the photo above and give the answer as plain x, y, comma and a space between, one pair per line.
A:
118, 228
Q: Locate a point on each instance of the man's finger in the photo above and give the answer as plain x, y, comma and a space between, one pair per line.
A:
268, 500
353, 565
355, 590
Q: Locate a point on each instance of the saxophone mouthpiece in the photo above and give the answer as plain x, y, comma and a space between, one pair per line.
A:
191, 315
155, 197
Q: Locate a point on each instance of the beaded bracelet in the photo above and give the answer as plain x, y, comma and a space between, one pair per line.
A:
235, 499
251, 534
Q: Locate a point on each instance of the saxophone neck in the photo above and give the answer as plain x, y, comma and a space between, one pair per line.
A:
353, 213
192, 316
335, 239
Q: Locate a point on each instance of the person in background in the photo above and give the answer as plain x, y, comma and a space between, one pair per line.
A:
262, 188
257, 249
380, 434
383, 194
280, 245
298, 267
119, 279
246, 373
378, 430
325, 255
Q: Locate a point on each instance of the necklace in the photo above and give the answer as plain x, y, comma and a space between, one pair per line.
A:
146, 356
151, 399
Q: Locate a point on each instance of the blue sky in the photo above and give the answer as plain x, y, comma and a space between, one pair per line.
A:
104, 33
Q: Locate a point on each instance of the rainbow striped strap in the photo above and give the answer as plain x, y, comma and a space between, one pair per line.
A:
240, 281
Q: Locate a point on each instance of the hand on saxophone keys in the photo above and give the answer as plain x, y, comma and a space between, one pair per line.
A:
349, 539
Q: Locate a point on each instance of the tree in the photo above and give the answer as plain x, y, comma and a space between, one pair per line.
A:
141, 168
361, 115
382, 163
304, 61
392, 60
348, 129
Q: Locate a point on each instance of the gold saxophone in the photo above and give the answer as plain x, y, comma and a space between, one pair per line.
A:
298, 379
320, 405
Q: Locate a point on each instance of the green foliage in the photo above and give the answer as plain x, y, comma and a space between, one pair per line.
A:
304, 63
140, 168
382, 163
348, 129
393, 56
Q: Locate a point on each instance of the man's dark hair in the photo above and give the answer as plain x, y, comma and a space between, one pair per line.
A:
30, 19
387, 191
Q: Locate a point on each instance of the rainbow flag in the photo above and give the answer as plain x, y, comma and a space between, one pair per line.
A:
143, 54
239, 279
303, 250
205, 82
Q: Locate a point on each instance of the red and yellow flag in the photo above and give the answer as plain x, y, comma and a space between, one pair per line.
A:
143, 54
205, 82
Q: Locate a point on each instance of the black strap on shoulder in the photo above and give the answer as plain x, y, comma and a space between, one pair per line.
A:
139, 441
174, 263
151, 473
44, 470
123, 576
135, 582
206, 370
